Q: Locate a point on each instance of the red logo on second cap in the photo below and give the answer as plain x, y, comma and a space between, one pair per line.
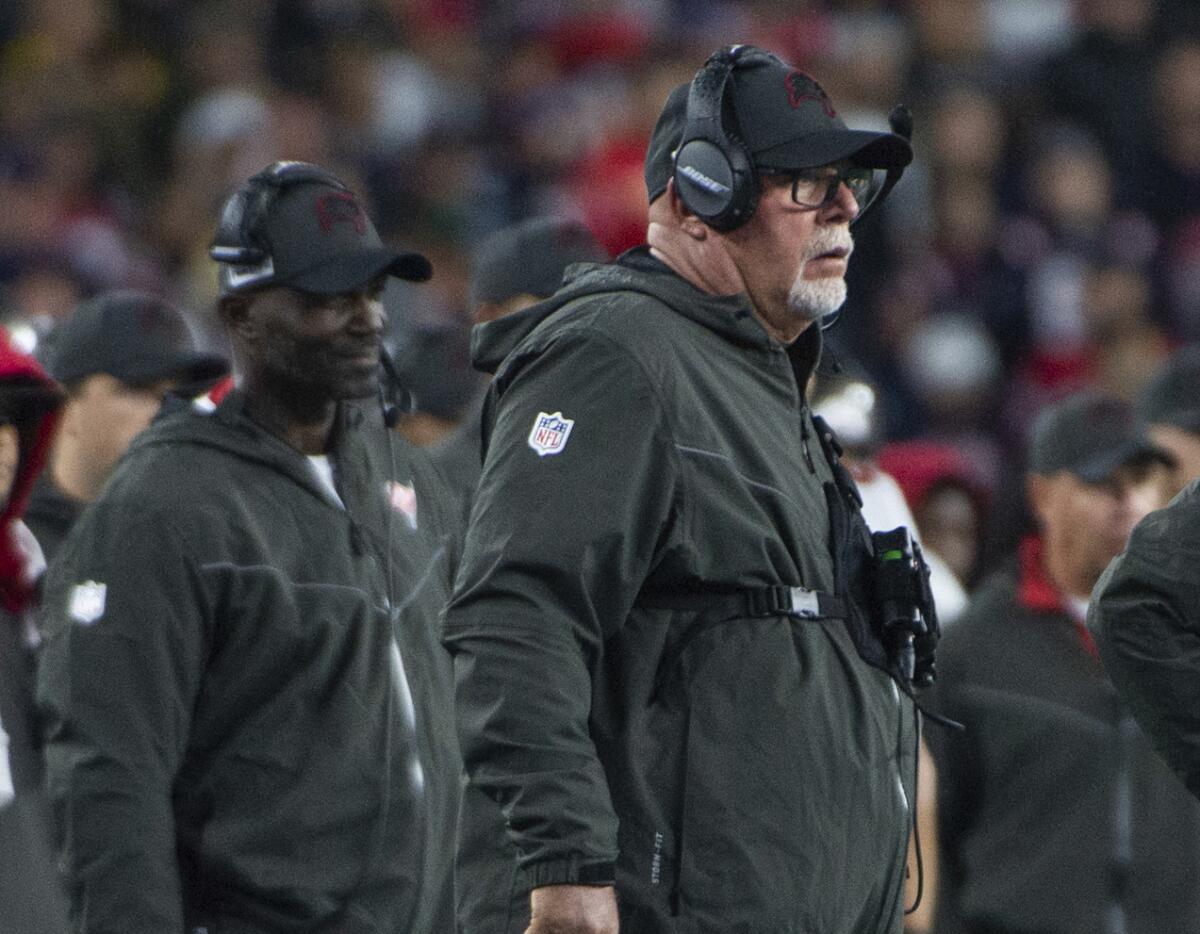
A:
802, 88
339, 207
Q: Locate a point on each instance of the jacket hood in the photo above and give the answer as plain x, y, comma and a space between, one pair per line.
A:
227, 428
31, 401
728, 315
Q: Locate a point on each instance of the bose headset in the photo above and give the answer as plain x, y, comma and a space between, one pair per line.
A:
714, 171
238, 240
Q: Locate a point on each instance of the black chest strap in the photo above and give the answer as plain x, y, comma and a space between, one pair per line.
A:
754, 602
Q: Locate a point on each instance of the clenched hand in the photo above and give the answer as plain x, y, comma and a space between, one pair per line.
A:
573, 909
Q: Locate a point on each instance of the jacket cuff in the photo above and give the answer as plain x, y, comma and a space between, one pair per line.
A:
573, 871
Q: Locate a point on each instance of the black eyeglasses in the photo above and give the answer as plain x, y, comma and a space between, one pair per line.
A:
815, 188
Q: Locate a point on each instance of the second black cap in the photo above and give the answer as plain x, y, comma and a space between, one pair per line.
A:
1173, 395
1091, 435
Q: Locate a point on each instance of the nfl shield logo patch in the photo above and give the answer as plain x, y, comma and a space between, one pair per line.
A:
550, 433
87, 602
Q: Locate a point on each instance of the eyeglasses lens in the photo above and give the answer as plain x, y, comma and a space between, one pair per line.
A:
812, 190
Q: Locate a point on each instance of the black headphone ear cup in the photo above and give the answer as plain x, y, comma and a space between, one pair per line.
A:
745, 188
714, 172
258, 200
240, 236
717, 183
233, 242
704, 178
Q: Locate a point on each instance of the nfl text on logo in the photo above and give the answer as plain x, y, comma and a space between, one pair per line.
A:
550, 432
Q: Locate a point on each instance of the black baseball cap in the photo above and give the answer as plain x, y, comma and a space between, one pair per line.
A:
528, 258
133, 336
295, 224
785, 120
1091, 435
1173, 396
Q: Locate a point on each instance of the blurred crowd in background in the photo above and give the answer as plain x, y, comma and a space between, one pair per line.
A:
1047, 237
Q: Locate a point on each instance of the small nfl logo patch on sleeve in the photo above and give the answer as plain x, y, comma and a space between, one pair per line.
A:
550, 433
86, 603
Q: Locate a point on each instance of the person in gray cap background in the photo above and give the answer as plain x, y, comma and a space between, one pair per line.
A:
512, 269
1170, 408
518, 265
246, 705
117, 356
1055, 814
673, 710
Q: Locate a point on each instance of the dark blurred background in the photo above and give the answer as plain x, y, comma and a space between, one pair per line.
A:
1047, 237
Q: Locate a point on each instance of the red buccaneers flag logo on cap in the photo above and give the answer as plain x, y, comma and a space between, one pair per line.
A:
339, 207
802, 88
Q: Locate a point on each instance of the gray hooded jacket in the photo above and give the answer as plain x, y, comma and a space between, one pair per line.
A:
648, 445
234, 741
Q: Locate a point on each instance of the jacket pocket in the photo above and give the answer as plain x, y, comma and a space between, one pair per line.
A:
766, 754
688, 841
653, 824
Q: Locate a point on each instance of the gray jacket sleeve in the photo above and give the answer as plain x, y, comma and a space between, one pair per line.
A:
562, 536
117, 681
1145, 616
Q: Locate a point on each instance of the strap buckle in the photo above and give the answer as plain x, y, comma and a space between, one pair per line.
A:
789, 601
804, 603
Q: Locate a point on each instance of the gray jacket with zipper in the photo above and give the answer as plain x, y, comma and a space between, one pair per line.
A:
728, 771
234, 743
